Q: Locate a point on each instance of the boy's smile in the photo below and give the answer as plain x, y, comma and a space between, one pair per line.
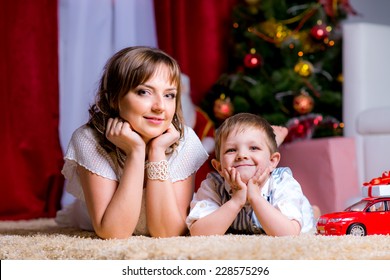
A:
246, 150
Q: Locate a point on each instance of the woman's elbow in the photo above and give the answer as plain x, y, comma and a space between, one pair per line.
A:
165, 233
112, 234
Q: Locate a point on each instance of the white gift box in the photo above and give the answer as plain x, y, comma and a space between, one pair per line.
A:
376, 190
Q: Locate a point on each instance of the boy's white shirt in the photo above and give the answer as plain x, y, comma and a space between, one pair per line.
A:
281, 190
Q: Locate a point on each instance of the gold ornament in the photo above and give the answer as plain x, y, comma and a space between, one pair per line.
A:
304, 68
281, 33
275, 32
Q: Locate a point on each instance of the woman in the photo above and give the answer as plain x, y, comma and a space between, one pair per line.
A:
132, 166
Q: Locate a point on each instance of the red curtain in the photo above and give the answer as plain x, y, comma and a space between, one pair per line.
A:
196, 34
31, 160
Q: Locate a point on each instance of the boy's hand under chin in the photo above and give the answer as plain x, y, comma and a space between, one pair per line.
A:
238, 187
256, 183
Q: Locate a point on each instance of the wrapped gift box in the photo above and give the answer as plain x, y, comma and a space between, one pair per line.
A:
326, 169
376, 190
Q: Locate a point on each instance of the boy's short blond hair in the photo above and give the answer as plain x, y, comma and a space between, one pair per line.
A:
239, 122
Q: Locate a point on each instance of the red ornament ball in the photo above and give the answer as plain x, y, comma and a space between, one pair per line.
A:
319, 32
303, 103
252, 60
223, 108
302, 127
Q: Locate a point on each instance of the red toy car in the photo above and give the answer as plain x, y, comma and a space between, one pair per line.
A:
369, 216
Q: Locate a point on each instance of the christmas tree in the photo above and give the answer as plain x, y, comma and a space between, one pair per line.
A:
285, 65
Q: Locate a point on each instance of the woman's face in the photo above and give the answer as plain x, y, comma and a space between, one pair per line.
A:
150, 107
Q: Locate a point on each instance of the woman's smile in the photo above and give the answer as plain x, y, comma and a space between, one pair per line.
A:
155, 120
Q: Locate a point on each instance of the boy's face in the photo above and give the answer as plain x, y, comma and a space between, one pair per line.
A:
246, 151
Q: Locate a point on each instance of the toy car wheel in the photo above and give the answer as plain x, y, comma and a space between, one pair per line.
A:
357, 230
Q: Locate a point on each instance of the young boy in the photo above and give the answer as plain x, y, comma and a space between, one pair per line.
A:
249, 194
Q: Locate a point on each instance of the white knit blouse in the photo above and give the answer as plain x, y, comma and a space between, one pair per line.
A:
84, 150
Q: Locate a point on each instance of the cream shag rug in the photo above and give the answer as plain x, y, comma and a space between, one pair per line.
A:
41, 240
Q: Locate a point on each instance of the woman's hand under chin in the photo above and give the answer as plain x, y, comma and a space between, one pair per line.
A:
165, 140
120, 133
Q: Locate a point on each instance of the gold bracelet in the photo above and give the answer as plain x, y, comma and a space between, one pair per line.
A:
157, 170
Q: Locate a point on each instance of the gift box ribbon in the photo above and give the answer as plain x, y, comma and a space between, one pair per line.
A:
384, 180
369, 192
